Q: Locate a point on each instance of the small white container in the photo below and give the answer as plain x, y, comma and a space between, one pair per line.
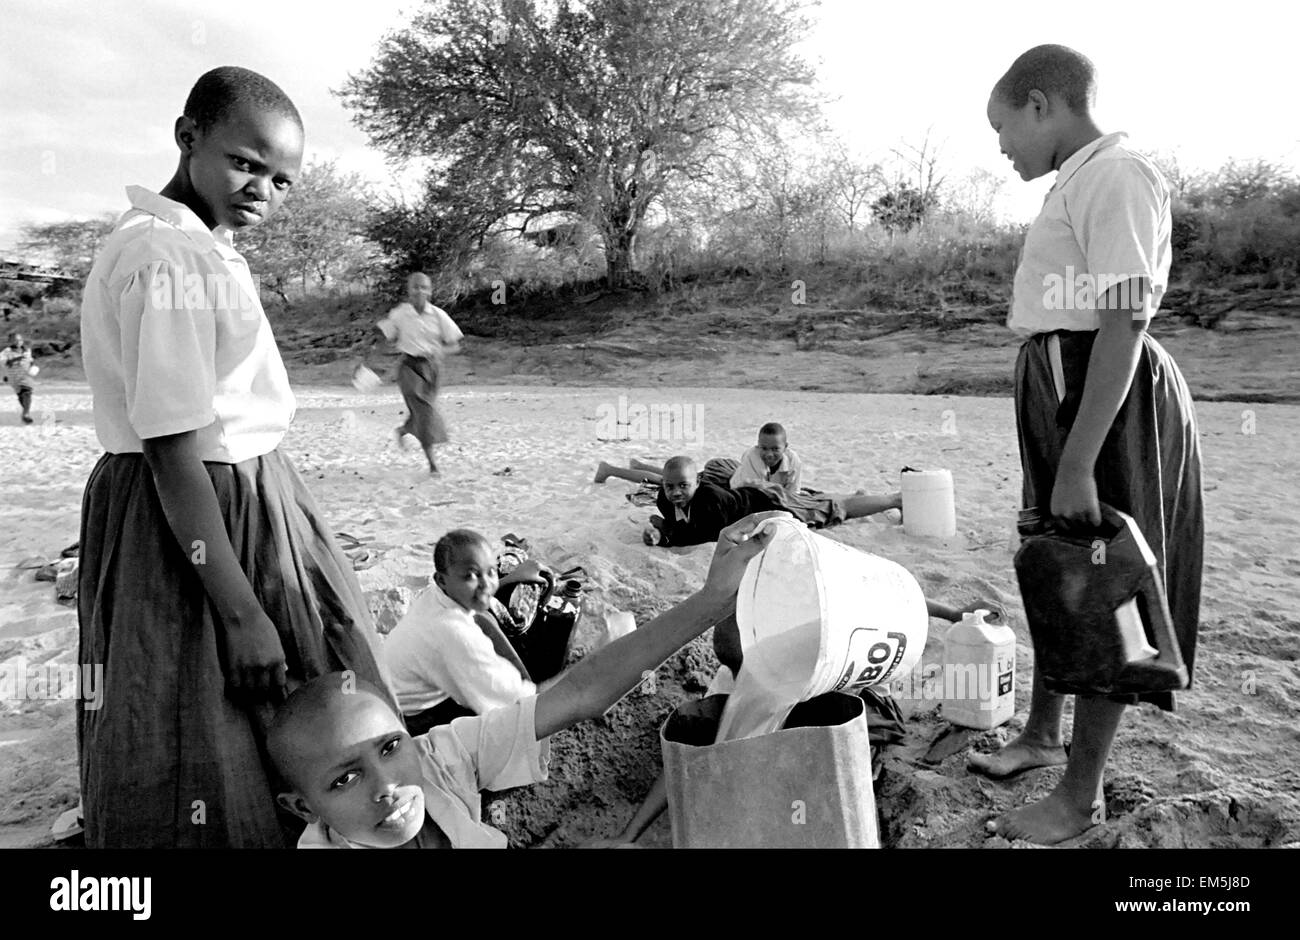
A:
929, 510
979, 673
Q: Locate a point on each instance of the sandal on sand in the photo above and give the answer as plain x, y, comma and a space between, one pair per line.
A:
69, 825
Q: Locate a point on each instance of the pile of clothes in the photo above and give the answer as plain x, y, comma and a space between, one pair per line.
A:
62, 572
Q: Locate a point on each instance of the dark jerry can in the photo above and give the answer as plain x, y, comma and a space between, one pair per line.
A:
1096, 606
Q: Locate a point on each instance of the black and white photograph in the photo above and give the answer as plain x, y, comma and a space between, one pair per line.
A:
651, 424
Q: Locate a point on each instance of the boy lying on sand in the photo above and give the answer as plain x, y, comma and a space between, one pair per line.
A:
695, 510
770, 462
359, 780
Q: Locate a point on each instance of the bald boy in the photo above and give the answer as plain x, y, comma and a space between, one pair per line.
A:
358, 779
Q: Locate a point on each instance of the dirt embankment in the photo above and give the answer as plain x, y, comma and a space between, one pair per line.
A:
1233, 345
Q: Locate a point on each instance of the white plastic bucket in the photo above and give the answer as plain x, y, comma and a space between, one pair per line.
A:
929, 510
365, 380
817, 616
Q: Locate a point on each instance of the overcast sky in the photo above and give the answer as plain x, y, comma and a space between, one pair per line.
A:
89, 90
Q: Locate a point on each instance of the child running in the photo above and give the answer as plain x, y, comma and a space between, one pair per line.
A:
424, 335
1102, 410
209, 583
16, 365
359, 780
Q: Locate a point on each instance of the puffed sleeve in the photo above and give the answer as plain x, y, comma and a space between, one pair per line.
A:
496, 750
1116, 218
168, 354
390, 325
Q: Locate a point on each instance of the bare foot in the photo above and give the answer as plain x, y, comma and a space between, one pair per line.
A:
1051, 820
602, 472
1015, 758
401, 437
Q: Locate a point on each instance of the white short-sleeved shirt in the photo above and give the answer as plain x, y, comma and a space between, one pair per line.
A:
17, 366
494, 751
174, 338
1105, 220
437, 652
787, 474
420, 333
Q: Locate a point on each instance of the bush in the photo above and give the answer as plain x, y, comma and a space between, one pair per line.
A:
62, 307
1259, 237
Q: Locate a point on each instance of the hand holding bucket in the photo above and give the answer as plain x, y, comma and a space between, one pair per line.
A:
817, 616
364, 380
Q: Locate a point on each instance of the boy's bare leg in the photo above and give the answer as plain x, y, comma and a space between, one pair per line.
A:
1077, 803
858, 505
1038, 745
635, 464
428, 453
606, 470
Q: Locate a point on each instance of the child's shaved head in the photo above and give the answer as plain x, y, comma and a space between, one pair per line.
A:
347, 761
295, 730
465, 568
451, 545
680, 481
219, 93
1055, 71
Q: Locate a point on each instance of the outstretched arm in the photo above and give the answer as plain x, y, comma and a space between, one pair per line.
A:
593, 685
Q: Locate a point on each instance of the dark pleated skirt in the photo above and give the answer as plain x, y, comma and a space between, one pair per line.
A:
1149, 466
418, 379
168, 760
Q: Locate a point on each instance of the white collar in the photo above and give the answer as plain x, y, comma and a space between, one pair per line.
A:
1084, 154
181, 216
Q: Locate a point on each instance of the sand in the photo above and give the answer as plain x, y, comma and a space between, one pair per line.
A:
1223, 771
